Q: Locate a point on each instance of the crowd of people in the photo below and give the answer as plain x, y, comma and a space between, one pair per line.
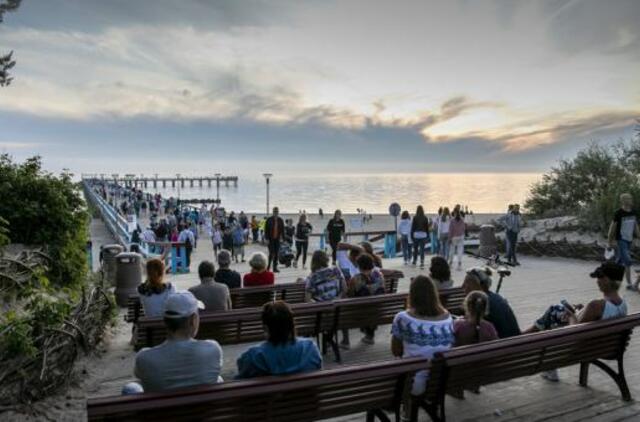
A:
351, 270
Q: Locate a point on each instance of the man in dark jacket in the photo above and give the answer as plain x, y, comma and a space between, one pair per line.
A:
274, 233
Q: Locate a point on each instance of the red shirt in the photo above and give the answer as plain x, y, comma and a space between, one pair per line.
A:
258, 279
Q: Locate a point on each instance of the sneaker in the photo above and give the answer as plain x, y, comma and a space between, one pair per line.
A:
367, 340
632, 287
422, 265
551, 375
413, 264
345, 346
276, 270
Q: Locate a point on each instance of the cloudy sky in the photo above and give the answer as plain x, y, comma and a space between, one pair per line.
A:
243, 85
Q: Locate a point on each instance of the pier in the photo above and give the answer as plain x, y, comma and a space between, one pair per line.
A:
142, 181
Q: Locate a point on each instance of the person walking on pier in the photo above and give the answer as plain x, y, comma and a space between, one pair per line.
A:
255, 229
186, 236
335, 229
303, 229
621, 232
274, 233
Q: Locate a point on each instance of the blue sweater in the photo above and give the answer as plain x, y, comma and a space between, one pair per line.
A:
266, 359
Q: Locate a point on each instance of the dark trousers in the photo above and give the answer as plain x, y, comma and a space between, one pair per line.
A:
512, 242
188, 253
301, 249
274, 248
255, 233
334, 249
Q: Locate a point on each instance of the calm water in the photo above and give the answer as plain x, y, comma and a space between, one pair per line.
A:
482, 192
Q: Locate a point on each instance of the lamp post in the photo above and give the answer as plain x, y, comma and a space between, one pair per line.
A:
267, 176
217, 175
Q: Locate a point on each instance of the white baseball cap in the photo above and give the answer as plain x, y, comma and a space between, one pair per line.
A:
181, 304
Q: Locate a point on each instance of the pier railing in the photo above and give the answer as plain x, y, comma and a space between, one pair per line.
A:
173, 253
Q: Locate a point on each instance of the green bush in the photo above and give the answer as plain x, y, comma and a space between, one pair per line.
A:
46, 210
589, 185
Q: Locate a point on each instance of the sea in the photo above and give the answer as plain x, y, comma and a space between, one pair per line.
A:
373, 193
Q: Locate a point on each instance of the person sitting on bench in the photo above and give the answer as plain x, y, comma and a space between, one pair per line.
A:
473, 328
214, 295
181, 361
609, 277
260, 274
154, 292
500, 313
425, 328
283, 353
368, 282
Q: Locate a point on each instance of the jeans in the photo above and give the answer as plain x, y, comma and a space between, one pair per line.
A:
444, 246
457, 246
623, 254
274, 248
301, 249
418, 246
512, 239
435, 244
255, 233
406, 251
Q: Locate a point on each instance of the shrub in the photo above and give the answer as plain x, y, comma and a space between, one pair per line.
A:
589, 185
45, 210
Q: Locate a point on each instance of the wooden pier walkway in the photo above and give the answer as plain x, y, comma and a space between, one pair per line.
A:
142, 181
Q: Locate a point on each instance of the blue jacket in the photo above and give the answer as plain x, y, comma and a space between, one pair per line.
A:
266, 359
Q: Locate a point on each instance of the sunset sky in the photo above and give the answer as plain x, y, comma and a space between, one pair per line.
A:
365, 85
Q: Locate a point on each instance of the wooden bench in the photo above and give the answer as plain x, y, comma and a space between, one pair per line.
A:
250, 297
247, 297
239, 325
369, 388
501, 360
312, 319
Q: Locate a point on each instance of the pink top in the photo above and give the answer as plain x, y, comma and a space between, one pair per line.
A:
456, 228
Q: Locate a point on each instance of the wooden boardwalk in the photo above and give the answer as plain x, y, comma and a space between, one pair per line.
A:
532, 287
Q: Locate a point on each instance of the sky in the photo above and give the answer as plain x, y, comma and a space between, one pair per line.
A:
195, 86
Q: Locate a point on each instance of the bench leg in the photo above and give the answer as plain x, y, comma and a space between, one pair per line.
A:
584, 374
435, 411
618, 377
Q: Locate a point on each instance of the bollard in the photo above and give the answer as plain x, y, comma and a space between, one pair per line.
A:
488, 244
128, 276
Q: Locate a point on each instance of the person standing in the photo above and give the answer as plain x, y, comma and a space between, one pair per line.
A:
187, 237
621, 231
435, 244
404, 230
238, 243
513, 221
457, 230
443, 233
335, 229
303, 229
273, 234
255, 229
419, 234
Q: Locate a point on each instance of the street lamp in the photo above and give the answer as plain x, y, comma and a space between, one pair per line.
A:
217, 175
267, 176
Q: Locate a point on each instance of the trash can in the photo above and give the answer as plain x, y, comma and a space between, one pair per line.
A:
128, 276
109, 253
488, 244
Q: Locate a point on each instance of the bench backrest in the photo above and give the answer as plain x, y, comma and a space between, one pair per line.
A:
252, 297
237, 325
301, 397
500, 360
247, 297
245, 325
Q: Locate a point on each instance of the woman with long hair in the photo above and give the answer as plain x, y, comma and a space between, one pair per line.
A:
457, 229
419, 234
443, 233
154, 291
404, 230
424, 329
